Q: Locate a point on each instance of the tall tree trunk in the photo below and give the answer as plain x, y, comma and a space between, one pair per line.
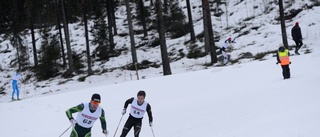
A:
35, 57
57, 9
84, 8
110, 24
165, 5
227, 14
205, 31
283, 25
15, 31
143, 20
66, 33
163, 45
212, 47
151, 2
192, 35
133, 45
113, 6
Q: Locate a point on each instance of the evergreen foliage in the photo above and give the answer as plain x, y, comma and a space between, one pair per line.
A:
49, 59
176, 21
100, 33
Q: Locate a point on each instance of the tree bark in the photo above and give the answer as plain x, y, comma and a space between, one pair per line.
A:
84, 4
110, 24
165, 5
205, 31
163, 45
192, 35
57, 7
212, 47
113, 17
35, 57
283, 25
30, 14
131, 33
66, 33
143, 20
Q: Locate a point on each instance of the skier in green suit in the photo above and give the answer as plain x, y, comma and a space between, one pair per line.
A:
88, 113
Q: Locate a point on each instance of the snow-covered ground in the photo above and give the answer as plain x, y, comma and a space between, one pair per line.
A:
245, 100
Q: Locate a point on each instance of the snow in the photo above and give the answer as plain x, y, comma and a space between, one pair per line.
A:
247, 99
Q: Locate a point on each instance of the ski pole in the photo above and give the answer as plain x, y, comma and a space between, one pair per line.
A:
117, 127
65, 130
152, 131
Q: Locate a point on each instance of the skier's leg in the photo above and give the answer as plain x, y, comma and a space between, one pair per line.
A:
297, 46
13, 88
137, 129
300, 44
225, 57
88, 134
73, 133
283, 71
17, 89
126, 128
288, 72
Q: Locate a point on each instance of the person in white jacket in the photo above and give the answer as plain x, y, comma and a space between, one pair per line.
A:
224, 46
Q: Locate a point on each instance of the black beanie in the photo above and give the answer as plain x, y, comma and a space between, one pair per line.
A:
141, 93
96, 97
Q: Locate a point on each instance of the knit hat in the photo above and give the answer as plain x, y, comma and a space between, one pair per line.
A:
96, 97
297, 23
141, 93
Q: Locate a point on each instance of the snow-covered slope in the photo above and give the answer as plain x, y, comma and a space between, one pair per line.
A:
244, 100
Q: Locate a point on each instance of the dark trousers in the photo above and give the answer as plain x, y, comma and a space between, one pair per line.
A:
285, 71
132, 122
79, 131
298, 44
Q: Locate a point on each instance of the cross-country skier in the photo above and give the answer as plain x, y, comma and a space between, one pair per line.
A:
88, 113
224, 46
283, 58
138, 107
15, 88
297, 37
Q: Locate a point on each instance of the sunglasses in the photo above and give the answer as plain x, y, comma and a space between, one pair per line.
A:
95, 102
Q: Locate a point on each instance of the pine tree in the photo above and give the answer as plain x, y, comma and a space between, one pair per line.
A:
50, 54
99, 32
176, 21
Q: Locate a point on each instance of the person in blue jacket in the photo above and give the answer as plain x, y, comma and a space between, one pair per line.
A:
15, 88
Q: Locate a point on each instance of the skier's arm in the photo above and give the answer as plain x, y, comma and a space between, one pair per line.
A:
129, 101
278, 58
103, 121
74, 110
149, 112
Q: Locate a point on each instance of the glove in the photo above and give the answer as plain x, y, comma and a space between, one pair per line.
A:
290, 62
73, 122
124, 111
277, 63
105, 132
150, 124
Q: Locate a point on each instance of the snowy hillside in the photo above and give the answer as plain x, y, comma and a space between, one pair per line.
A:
245, 100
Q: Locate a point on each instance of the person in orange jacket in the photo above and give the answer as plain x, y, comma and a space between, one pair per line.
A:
284, 59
